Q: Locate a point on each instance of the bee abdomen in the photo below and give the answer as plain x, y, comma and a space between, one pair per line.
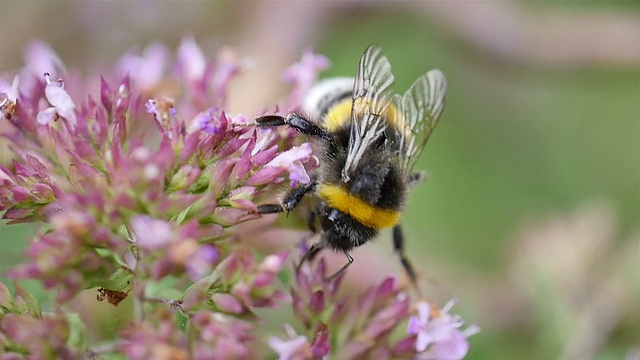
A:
365, 213
325, 94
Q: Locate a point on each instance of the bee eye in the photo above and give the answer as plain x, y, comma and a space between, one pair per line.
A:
333, 215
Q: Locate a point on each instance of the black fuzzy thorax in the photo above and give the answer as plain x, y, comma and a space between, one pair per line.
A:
376, 180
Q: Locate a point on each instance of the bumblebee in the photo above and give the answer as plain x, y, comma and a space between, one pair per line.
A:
370, 141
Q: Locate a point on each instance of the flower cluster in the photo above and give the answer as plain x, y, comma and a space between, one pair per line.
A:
25, 330
141, 180
104, 191
367, 328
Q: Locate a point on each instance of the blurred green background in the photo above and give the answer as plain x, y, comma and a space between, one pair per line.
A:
535, 161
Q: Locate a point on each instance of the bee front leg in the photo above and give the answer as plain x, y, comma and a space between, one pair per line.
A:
398, 247
296, 122
289, 203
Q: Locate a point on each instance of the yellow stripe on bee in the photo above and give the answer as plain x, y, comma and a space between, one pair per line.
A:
340, 114
367, 214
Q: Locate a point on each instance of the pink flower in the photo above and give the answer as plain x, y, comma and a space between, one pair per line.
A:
303, 74
151, 214
293, 349
61, 103
8, 98
41, 58
191, 61
151, 233
146, 70
202, 261
212, 121
227, 66
292, 160
10, 92
438, 333
163, 110
299, 347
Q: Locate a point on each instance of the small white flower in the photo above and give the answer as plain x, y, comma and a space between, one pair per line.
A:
439, 335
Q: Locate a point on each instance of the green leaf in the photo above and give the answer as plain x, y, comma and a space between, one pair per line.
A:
183, 214
119, 280
77, 332
202, 183
181, 321
5, 295
25, 301
163, 289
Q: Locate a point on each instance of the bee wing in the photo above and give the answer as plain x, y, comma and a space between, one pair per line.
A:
420, 108
372, 92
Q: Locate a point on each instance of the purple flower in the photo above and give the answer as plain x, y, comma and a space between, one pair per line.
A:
265, 137
26, 332
163, 110
225, 336
146, 70
157, 337
293, 349
438, 333
41, 58
151, 233
228, 303
227, 67
61, 103
212, 121
191, 61
202, 261
299, 346
8, 97
152, 214
292, 161
303, 74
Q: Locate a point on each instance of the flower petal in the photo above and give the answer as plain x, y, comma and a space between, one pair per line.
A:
289, 349
151, 233
60, 99
423, 341
46, 116
424, 312
191, 61
454, 348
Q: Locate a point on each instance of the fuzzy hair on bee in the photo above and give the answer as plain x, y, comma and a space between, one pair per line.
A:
369, 140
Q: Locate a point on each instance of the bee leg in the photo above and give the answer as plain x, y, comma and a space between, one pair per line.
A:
290, 201
344, 267
398, 247
311, 221
296, 122
311, 253
417, 178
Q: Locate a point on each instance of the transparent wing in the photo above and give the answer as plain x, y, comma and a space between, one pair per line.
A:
419, 110
372, 92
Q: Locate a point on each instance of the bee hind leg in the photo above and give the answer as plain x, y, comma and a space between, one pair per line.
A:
311, 254
398, 247
343, 268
